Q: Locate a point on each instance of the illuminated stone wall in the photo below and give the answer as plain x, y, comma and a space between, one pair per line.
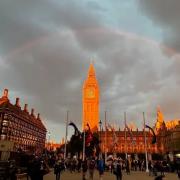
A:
21, 127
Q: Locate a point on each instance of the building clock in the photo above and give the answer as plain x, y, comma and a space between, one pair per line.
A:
90, 93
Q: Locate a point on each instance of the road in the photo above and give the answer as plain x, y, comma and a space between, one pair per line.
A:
108, 176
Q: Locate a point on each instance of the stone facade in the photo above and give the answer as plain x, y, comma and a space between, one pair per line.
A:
167, 133
24, 129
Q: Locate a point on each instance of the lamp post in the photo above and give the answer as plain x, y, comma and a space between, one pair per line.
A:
145, 143
100, 125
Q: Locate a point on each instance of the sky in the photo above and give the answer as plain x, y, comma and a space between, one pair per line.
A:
46, 47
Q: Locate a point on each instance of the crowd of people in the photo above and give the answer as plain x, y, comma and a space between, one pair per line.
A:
40, 165
87, 167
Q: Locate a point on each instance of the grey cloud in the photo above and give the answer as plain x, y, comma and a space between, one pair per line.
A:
95, 6
164, 13
26, 21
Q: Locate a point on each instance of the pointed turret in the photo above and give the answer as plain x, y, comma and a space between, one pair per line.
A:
91, 72
159, 119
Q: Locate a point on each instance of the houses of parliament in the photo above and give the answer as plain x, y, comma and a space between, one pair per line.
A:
167, 133
27, 132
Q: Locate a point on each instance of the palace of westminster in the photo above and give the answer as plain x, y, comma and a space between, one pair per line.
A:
27, 131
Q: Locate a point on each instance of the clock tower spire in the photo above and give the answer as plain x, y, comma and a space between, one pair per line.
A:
90, 100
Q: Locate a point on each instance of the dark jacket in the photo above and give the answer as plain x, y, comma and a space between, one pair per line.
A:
59, 166
118, 170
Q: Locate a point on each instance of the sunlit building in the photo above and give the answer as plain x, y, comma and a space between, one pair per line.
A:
17, 125
168, 133
90, 101
52, 145
133, 141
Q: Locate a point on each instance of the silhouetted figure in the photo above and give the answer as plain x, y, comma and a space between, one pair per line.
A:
127, 167
58, 168
84, 169
118, 171
37, 168
79, 165
100, 168
92, 165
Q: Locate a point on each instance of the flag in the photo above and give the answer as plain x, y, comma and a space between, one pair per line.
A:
130, 133
154, 136
115, 139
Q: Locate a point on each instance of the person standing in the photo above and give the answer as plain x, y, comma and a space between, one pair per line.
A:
38, 168
150, 168
58, 168
91, 167
118, 171
100, 168
127, 167
84, 169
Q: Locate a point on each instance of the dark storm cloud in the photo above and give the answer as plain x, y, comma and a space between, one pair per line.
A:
166, 14
22, 21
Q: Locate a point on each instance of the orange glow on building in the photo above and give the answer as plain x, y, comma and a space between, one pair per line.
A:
90, 100
172, 124
115, 140
52, 145
23, 128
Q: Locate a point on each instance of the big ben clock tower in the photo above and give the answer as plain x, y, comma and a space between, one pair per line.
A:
90, 100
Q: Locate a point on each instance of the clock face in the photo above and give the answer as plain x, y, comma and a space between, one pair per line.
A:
90, 93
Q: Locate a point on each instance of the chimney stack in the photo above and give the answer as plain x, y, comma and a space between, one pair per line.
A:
26, 107
4, 97
17, 102
38, 116
32, 112
5, 94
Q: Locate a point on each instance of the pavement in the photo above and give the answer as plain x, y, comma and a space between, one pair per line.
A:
108, 176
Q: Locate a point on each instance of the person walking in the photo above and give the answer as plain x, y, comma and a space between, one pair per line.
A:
150, 168
58, 168
84, 169
127, 167
38, 168
91, 167
118, 170
100, 168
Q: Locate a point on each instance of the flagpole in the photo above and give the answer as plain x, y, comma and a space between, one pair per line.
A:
105, 137
145, 144
65, 148
125, 134
84, 145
